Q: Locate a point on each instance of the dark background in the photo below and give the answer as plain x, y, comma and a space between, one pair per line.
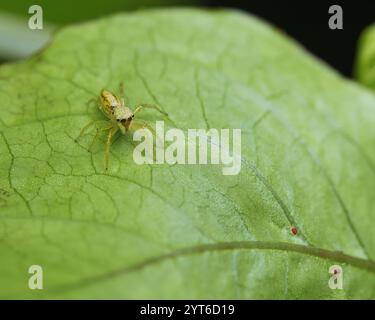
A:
307, 22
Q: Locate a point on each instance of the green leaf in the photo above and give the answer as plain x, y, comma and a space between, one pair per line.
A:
159, 231
365, 66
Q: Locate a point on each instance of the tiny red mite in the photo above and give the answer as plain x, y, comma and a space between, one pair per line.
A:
294, 231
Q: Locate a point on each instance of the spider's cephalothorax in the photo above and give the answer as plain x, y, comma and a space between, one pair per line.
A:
120, 118
115, 109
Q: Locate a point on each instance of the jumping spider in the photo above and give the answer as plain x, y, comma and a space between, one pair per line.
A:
121, 117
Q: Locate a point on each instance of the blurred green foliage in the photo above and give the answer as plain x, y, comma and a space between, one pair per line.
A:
70, 11
17, 41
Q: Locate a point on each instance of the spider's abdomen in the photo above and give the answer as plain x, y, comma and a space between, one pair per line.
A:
109, 102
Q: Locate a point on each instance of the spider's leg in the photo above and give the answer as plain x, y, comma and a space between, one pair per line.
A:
139, 124
108, 145
98, 131
86, 127
122, 88
92, 100
148, 106
83, 130
122, 93
95, 138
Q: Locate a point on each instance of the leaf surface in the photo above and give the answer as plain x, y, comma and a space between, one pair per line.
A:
365, 66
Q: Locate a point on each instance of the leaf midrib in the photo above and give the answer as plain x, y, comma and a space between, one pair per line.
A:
321, 253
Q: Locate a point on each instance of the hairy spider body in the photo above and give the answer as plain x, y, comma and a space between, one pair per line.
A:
115, 109
120, 116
